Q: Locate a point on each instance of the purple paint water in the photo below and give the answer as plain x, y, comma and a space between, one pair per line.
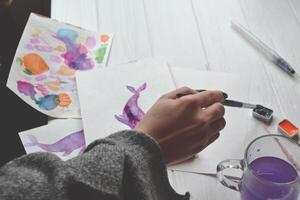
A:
268, 182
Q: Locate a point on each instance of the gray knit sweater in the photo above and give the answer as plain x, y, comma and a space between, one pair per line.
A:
125, 165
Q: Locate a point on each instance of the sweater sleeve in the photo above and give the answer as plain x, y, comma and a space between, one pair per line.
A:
125, 165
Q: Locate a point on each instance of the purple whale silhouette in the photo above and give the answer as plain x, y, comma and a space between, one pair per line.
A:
66, 145
132, 113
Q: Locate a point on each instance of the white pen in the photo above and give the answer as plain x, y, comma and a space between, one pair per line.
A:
272, 55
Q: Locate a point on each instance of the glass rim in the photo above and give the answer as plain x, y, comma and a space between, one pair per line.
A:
260, 178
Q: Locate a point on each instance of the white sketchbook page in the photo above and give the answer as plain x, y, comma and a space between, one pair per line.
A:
231, 143
48, 56
48, 138
103, 93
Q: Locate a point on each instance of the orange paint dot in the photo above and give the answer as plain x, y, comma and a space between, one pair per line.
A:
104, 38
64, 100
53, 85
288, 128
35, 33
66, 71
60, 48
34, 64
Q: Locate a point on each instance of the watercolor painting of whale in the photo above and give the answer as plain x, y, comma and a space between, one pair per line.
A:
132, 113
65, 145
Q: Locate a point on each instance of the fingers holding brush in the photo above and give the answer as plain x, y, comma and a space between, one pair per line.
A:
213, 112
178, 92
204, 98
185, 125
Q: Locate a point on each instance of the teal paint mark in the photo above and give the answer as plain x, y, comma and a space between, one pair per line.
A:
69, 37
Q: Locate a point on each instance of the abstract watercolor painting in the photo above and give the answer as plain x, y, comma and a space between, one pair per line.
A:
132, 113
107, 105
63, 137
49, 55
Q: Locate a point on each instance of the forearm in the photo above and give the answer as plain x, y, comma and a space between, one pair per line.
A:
126, 165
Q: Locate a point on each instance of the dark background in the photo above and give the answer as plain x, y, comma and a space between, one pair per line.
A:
15, 115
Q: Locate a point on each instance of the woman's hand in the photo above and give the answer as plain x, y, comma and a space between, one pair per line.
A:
184, 126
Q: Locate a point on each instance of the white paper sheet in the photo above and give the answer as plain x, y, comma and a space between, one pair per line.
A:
63, 137
103, 95
47, 58
231, 143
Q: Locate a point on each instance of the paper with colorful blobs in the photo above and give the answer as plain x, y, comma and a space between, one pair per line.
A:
49, 55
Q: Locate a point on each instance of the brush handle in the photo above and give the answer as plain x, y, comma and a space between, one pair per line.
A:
178, 95
227, 102
232, 103
238, 104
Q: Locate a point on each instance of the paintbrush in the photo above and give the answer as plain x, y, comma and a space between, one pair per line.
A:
239, 104
227, 102
259, 111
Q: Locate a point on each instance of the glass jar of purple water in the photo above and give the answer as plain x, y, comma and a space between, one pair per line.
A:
271, 170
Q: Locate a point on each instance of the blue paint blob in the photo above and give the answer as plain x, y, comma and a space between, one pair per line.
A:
48, 102
67, 34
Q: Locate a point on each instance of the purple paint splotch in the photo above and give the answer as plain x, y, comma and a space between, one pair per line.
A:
55, 59
90, 42
27, 89
40, 77
66, 145
34, 40
43, 48
42, 89
29, 47
132, 113
76, 56
37, 43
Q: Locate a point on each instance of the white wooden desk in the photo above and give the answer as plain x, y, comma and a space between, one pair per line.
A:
197, 34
